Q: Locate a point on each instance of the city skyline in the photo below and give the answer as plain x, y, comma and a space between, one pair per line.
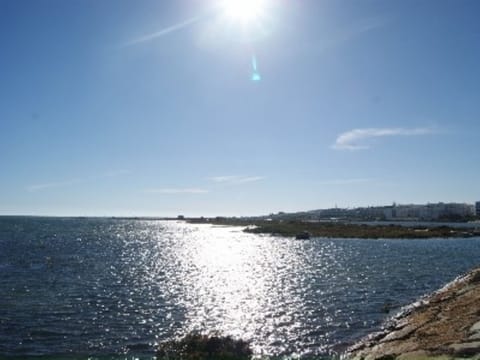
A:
151, 108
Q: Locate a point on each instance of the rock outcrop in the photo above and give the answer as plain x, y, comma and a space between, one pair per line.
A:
444, 325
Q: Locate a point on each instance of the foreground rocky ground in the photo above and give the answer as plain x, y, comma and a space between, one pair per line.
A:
445, 325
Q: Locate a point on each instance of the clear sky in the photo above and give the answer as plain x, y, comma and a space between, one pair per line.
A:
118, 107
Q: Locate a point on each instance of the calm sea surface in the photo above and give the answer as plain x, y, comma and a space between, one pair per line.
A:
106, 287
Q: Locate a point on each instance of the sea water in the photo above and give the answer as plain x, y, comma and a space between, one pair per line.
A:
109, 288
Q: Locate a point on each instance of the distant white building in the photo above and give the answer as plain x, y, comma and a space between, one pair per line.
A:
429, 211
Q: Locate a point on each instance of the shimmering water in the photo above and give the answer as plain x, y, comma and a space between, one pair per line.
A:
96, 287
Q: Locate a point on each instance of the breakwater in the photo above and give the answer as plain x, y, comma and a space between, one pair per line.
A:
444, 325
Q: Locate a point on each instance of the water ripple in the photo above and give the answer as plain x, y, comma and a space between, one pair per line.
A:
100, 286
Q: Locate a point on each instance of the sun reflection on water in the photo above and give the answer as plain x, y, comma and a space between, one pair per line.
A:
281, 295
239, 284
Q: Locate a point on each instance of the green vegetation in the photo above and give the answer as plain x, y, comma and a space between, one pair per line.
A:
340, 230
203, 347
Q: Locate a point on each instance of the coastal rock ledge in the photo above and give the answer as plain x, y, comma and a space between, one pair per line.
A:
445, 325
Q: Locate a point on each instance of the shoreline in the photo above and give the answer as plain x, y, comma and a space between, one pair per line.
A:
342, 230
443, 325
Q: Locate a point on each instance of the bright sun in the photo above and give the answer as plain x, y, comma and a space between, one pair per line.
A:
243, 11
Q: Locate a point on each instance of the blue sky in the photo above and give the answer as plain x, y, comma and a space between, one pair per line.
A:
121, 107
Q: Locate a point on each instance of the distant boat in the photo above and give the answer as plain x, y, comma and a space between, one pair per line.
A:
304, 235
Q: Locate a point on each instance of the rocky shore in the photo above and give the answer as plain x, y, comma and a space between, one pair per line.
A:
444, 325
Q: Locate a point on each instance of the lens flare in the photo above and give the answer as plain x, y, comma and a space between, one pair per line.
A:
249, 19
255, 74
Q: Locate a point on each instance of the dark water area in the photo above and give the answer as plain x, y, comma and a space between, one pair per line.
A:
104, 288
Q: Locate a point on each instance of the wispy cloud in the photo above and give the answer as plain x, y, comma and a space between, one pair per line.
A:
172, 191
343, 34
50, 185
345, 181
69, 182
113, 173
163, 32
236, 179
356, 29
350, 140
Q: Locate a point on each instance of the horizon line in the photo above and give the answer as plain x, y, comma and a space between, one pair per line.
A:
473, 203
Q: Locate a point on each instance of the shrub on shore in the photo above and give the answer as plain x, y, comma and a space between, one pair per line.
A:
195, 346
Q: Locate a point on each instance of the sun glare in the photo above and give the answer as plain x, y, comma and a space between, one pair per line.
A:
243, 11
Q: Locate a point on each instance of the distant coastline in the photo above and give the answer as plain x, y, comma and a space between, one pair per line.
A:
320, 228
342, 229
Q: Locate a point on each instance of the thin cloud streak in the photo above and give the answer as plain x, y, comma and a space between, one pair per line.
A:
356, 30
172, 191
51, 185
345, 181
236, 179
164, 32
66, 183
114, 173
344, 35
349, 140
